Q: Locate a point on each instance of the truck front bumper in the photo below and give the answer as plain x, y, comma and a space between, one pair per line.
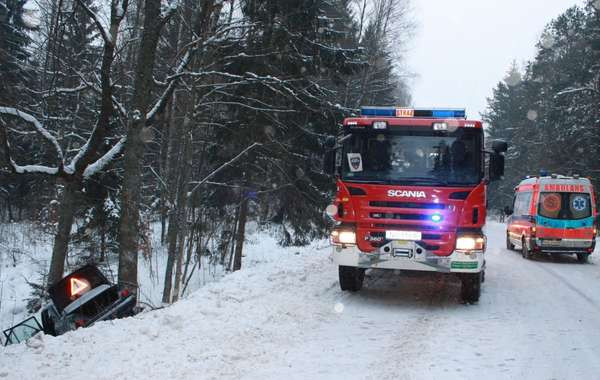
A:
457, 262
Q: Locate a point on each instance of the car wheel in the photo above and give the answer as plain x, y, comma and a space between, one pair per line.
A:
525, 252
351, 278
583, 257
510, 246
471, 287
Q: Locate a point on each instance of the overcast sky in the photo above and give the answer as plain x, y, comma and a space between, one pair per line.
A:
462, 48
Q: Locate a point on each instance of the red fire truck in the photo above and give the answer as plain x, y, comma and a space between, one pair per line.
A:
411, 194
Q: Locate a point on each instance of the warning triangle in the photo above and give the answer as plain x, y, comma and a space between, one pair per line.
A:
78, 286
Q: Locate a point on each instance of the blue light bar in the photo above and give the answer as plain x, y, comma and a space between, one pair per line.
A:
446, 113
378, 111
436, 218
449, 113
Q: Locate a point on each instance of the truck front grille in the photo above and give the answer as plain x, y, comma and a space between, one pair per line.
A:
412, 205
387, 215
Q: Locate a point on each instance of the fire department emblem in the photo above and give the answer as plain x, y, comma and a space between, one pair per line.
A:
355, 162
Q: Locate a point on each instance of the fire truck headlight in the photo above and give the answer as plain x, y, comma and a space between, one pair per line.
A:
343, 237
470, 243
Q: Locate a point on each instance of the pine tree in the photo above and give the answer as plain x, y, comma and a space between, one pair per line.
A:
15, 72
551, 117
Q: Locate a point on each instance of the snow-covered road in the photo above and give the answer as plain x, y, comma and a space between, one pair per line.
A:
285, 317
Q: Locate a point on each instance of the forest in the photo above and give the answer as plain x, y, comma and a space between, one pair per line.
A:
197, 116
549, 109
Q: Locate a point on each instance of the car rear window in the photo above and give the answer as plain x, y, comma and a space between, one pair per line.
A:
74, 285
565, 205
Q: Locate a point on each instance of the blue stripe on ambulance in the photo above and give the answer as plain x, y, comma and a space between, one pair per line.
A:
556, 223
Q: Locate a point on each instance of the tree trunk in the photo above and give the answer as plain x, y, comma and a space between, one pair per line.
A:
182, 203
241, 235
174, 169
103, 228
134, 149
63, 233
172, 233
9, 208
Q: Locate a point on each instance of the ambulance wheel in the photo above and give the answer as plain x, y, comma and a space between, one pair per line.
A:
582, 257
471, 287
510, 246
351, 278
525, 252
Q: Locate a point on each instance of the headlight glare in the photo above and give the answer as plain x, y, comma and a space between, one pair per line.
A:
343, 237
470, 243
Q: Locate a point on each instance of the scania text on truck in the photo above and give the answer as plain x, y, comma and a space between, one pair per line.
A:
553, 214
411, 194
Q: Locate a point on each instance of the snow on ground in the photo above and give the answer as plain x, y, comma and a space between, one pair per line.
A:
284, 316
25, 254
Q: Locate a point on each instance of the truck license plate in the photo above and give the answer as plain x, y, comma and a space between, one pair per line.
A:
403, 235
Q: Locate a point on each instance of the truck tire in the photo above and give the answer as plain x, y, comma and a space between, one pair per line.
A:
582, 257
510, 246
351, 278
525, 252
471, 287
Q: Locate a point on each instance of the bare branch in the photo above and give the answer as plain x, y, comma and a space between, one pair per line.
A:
38, 127
228, 163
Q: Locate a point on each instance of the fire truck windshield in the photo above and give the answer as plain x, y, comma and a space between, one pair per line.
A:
413, 156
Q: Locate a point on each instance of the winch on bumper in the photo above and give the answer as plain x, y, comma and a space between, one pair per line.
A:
409, 255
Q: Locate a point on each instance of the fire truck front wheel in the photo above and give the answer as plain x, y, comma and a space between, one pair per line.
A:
351, 278
471, 286
582, 257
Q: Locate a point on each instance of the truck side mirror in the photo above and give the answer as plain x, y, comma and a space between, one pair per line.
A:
330, 142
496, 166
499, 146
329, 157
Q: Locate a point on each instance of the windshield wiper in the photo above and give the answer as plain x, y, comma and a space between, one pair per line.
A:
367, 181
413, 180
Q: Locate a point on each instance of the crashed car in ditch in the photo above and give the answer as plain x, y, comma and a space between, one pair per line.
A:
78, 300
